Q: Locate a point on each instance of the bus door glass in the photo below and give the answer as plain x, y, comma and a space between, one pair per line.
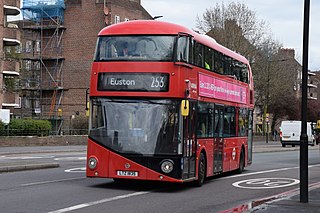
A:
189, 143
218, 138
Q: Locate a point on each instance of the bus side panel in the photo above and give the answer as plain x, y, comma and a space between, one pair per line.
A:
235, 156
102, 155
232, 151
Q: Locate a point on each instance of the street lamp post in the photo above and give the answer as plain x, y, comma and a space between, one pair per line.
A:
304, 137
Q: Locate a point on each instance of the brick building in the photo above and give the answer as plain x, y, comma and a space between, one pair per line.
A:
293, 66
59, 38
9, 51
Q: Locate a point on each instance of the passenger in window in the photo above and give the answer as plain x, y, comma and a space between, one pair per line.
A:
123, 49
207, 66
203, 129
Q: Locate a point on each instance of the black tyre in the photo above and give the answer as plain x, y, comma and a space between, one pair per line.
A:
201, 171
241, 162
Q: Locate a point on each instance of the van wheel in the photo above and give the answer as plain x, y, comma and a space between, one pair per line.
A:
283, 145
201, 171
293, 145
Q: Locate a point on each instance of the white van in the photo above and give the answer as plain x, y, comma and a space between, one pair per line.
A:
290, 133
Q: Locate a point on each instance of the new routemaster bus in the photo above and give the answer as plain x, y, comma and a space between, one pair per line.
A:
167, 104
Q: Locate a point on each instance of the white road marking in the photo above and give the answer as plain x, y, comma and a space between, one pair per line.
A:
76, 170
23, 157
51, 181
84, 205
265, 183
70, 158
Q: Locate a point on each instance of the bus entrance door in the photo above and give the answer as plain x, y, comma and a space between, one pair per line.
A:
218, 139
189, 144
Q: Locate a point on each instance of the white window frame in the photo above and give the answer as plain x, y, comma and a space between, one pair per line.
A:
28, 46
116, 19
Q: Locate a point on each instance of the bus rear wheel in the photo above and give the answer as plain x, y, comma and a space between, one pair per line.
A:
201, 171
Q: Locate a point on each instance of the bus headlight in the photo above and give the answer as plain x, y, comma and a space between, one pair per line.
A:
92, 162
167, 166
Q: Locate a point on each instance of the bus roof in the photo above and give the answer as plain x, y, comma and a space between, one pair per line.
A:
153, 27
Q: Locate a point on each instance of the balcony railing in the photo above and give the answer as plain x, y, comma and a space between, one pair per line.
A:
11, 34
10, 99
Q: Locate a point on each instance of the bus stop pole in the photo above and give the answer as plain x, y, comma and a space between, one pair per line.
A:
304, 136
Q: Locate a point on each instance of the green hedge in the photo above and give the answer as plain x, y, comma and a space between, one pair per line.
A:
1, 125
28, 127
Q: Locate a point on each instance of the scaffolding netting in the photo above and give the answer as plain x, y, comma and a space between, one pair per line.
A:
38, 10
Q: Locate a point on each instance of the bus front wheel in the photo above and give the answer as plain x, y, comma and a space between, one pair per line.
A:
201, 171
241, 162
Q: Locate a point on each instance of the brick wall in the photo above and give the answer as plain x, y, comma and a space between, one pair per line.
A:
43, 141
83, 22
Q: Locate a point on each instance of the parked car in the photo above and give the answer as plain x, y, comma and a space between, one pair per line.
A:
290, 132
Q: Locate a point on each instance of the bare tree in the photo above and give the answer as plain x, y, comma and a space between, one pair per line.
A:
237, 27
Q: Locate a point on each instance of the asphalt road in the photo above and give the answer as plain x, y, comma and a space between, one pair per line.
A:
66, 189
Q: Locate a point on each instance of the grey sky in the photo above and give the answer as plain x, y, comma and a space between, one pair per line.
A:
285, 18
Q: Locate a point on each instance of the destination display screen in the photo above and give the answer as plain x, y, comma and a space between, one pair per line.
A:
140, 82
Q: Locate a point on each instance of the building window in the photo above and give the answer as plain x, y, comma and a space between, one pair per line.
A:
18, 49
28, 46
26, 102
28, 65
37, 46
117, 19
36, 65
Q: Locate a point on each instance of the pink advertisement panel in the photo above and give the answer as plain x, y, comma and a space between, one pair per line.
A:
219, 89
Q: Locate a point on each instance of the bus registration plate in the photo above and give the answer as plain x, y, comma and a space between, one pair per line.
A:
127, 173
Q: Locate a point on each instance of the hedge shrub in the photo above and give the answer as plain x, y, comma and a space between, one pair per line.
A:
26, 127
1, 125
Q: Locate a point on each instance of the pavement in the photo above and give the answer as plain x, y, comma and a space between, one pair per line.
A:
285, 202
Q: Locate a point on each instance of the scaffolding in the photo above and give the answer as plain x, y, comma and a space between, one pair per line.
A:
42, 82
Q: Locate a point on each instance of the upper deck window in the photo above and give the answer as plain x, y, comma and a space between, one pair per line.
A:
135, 48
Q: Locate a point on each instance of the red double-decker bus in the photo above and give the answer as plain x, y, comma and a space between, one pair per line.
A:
167, 104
